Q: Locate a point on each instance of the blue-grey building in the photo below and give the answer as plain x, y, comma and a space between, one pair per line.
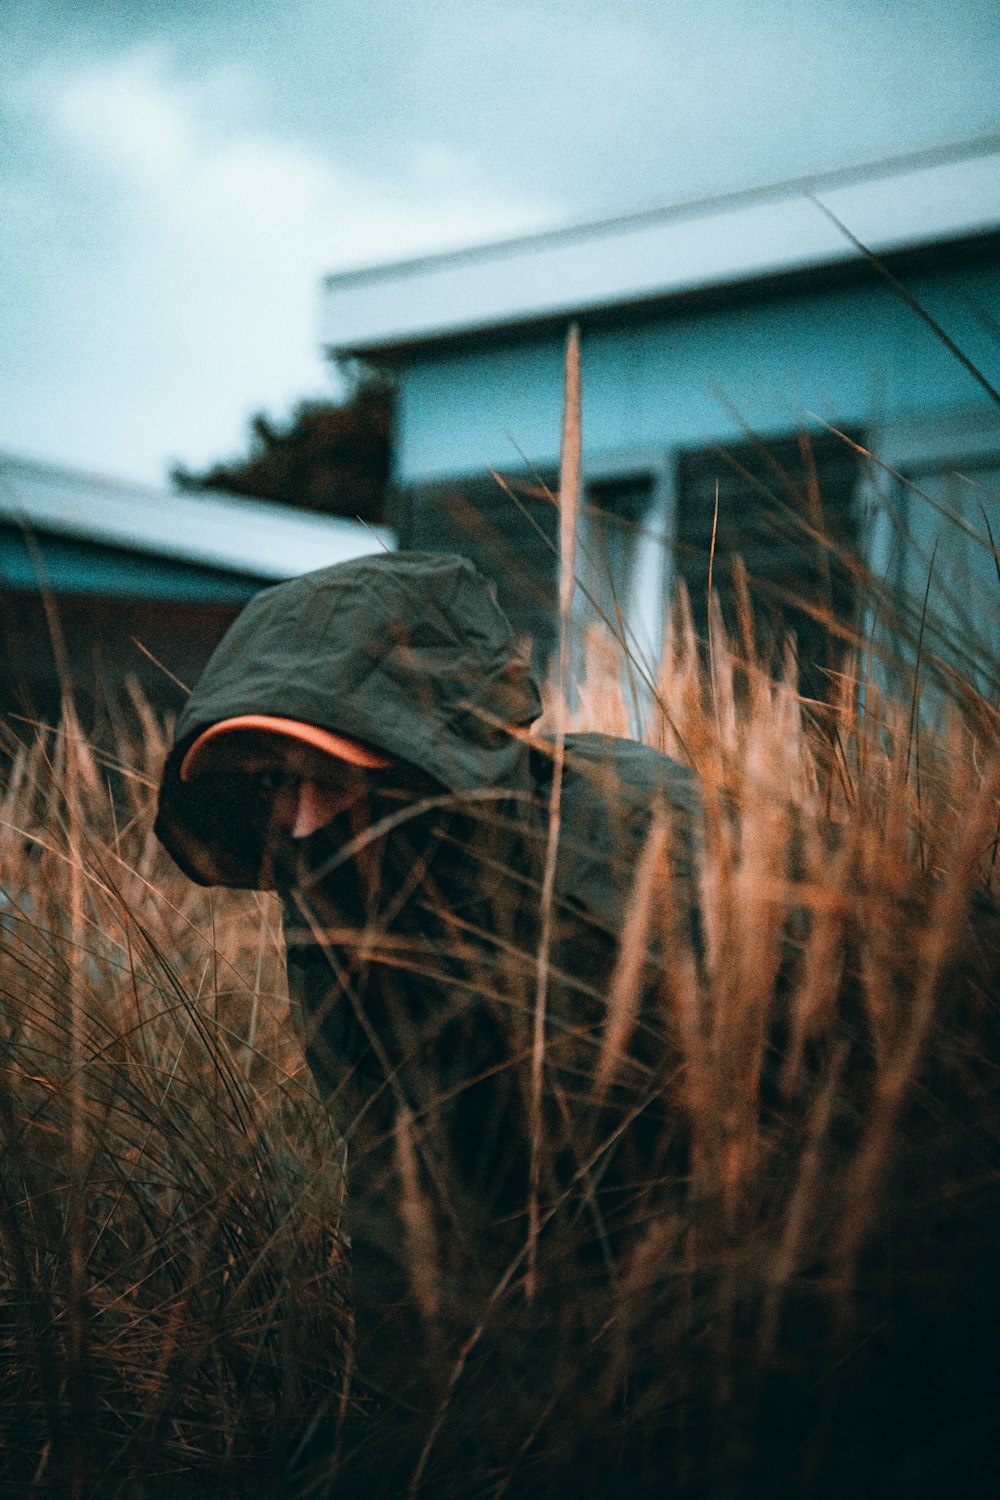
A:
725, 344
103, 582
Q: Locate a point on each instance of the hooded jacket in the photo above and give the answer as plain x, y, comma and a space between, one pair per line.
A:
413, 936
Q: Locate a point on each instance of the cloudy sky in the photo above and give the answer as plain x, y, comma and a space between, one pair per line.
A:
176, 175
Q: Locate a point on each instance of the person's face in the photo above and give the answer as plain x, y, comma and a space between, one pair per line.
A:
307, 804
304, 789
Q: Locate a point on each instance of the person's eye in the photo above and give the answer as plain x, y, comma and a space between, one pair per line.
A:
268, 781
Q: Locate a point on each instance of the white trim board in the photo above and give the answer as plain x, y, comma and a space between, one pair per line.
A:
924, 199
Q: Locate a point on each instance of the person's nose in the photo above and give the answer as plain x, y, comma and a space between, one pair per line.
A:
301, 807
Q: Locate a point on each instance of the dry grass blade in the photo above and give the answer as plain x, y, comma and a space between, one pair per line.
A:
905, 295
422, 1257
913, 731
569, 500
711, 607
625, 990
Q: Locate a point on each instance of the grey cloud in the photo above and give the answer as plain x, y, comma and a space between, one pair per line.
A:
594, 106
577, 107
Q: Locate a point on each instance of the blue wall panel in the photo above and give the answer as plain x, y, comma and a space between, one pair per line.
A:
854, 354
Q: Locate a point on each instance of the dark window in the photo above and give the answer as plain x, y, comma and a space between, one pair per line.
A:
946, 526
620, 507
508, 529
788, 507
619, 561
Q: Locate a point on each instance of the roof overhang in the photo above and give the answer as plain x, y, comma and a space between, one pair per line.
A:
250, 538
907, 204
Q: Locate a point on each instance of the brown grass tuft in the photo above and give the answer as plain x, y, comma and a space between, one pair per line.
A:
765, 1179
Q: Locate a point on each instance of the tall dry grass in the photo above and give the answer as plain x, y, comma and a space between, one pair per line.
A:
806, 1307
170, 1272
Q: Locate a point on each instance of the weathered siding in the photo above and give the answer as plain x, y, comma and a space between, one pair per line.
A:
509, 532
95, 654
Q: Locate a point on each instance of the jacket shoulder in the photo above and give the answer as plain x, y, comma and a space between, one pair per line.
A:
611, 788
633, 770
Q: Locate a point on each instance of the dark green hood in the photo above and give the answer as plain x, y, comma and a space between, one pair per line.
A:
408, 652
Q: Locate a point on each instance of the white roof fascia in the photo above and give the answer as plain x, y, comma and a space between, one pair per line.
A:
659, 254
207, 529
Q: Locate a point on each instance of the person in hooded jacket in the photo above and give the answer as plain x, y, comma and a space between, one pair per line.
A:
360, 742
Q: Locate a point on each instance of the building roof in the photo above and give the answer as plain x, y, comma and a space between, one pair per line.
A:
208, 530
905, 202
